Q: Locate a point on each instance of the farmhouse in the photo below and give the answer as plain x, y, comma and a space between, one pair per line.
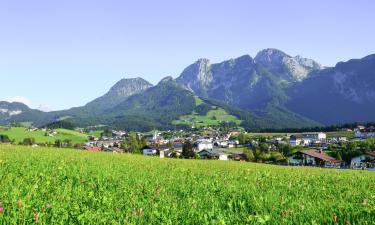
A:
314, 157
366, 160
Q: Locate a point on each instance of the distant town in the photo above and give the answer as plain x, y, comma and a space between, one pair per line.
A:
343, 149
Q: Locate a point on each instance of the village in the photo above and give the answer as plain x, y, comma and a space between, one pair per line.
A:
303, 149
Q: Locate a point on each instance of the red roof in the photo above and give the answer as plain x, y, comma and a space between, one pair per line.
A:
371, 153
320, 155
89, 148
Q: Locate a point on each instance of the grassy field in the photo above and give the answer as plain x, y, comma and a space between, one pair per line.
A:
213, 118
19, 133
60, 186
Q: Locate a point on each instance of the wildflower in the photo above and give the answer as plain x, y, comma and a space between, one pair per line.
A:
19, 203
1, 209
36, 216
334, 218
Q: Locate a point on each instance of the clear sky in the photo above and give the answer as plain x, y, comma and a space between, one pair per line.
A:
65, 53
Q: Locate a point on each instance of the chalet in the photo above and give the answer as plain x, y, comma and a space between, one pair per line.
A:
366, 160
314, 157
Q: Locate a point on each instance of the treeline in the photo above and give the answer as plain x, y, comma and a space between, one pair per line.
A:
330, 128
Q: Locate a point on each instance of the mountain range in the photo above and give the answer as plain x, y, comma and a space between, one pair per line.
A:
271, 90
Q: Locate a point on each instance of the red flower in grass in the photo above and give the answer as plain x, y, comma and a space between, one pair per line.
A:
1, 209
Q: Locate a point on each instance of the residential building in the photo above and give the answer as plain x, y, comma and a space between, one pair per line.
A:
313, 157
364, 161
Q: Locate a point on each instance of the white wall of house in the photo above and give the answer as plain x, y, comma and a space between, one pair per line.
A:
148, 151
204, 146
359, 160
223, 157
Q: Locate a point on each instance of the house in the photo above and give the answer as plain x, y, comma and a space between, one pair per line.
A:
307, 138
203, 145
296, 140
313, 157
315, 136
366, 160
363, 133
221, 143
149, 151
91, 148
223, 157
209, 154
232, 144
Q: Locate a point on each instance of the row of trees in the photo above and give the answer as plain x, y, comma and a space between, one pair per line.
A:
347, 150
133, 143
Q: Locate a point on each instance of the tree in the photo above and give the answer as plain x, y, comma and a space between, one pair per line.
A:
249, 155
58, 143
133, 143
187, 150
4, 138
28, 141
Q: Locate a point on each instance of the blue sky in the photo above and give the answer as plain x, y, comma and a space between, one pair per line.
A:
65, 53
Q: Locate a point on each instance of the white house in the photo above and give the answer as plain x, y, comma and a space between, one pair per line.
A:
315, 136
204, 145
149, 151
223, 157
307, 138
366, 160
296, 140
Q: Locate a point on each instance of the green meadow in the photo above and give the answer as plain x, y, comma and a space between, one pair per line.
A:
19, 133
63, 186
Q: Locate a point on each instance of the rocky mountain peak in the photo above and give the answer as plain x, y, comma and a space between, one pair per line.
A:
167, 79
119, 93
131, 85
291, 68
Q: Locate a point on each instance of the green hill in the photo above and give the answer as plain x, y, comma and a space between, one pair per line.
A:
19, 133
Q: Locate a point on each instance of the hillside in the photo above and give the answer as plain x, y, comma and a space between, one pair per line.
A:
342, 94
19, 133
71, 187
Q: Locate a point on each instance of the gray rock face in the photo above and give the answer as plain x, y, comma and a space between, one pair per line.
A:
8, 109
197, 77
290, 68
246, 82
